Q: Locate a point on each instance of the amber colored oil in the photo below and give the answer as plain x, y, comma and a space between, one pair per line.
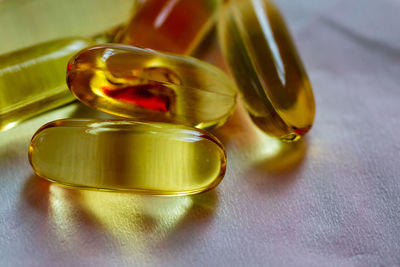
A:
144, 84
32, 80
267, 69
176, 26
146, 158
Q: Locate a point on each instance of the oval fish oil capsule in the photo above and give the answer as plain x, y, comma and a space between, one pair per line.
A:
267, 68
175, 26
148, 85
32, 80
147, 158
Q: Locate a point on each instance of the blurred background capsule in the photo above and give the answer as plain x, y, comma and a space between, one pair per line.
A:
176, 26
38, 38
25, 23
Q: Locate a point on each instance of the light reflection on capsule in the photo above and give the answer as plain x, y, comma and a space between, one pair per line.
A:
267, 69
143, 84
146, 158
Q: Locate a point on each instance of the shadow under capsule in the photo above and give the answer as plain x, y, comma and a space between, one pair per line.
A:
82, 111
40, 195
276, 166
140, 221
257, 150
194, 222
279, 158
35, 193
37, 222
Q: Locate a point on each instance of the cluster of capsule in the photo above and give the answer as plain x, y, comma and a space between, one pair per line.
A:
178, 95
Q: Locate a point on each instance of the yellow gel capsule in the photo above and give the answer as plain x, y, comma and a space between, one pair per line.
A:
267, 68
146, 158
24, 23
175, 26
32, 80
148, 85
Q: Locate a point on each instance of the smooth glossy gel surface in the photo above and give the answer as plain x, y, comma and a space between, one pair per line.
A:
147, 85
175, 26
24, 23
267, 68
32, 80
157, 158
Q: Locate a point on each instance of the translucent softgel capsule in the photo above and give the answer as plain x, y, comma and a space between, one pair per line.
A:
175, 26
32, 80
155, 158
267, 68
147, 85
24, 23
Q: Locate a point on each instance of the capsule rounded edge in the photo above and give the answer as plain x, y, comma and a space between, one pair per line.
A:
267, 68
145, 84
139, 157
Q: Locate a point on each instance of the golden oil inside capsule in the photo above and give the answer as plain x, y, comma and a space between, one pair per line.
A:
157, 158
32, 80
26, 23
267, 68
144, 84
175, 26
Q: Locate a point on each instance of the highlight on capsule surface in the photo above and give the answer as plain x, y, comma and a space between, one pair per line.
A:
148, 85
267, 68
145, 158
32, 80
176, 26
